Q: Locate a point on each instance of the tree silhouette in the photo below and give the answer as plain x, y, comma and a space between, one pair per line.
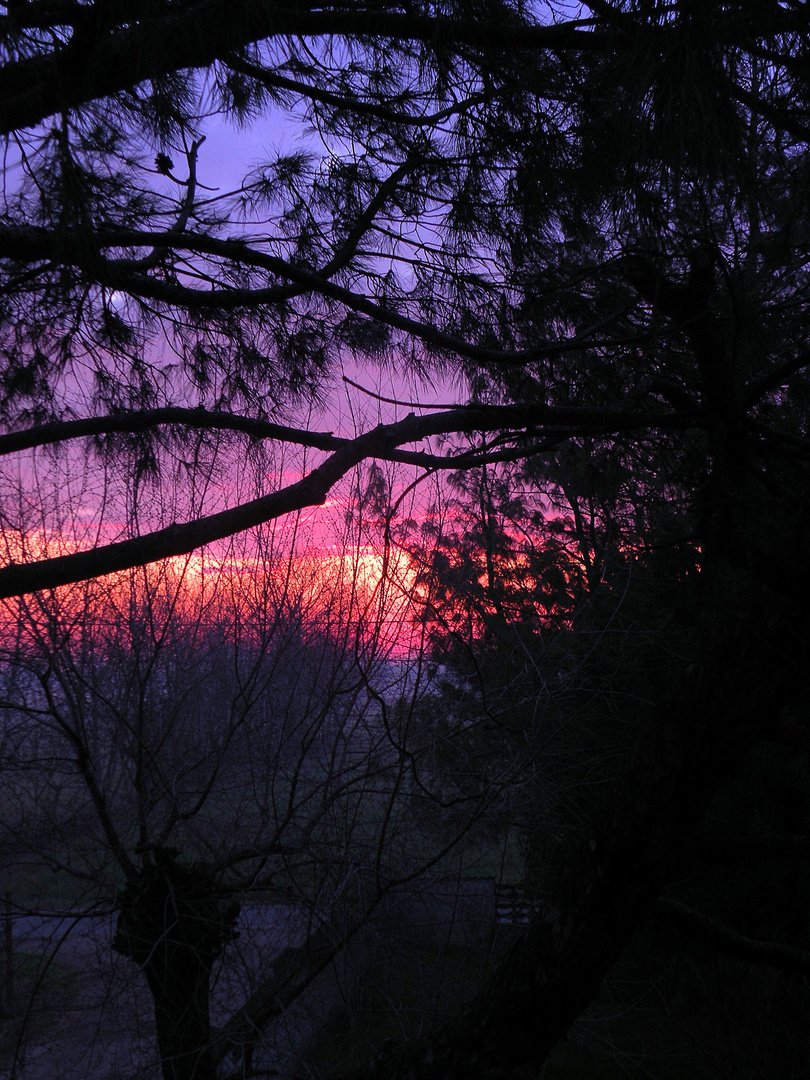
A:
595, 220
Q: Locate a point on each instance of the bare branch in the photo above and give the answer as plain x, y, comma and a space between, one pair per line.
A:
730, 942
382, 442
738, 849
774, 380
202, 419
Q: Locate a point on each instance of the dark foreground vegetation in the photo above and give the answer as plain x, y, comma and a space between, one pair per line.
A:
589, 222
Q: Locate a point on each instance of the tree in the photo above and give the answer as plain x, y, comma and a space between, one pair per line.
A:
598, 219
195, 738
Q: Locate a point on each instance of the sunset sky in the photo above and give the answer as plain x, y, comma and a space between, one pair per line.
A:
76, 503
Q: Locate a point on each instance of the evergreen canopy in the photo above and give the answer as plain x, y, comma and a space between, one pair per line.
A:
596, 213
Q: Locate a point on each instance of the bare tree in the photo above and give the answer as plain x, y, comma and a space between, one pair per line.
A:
204, 734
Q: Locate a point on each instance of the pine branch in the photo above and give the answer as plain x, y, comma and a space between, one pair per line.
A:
76, 248
382, 442
200, 33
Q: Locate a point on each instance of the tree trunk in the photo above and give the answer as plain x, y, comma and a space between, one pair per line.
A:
172, 923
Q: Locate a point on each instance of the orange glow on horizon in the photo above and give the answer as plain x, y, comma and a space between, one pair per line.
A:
353, 591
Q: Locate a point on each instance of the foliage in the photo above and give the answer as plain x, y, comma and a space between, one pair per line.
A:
592, 220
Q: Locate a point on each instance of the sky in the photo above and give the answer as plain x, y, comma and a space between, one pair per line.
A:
227, 155
61, 503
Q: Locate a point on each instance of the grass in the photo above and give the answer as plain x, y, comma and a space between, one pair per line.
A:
42, 987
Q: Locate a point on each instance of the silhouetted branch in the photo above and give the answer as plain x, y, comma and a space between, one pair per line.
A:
77, 248
358, 106
382, 442
744, 849
148, 419
98, 62
728, 941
